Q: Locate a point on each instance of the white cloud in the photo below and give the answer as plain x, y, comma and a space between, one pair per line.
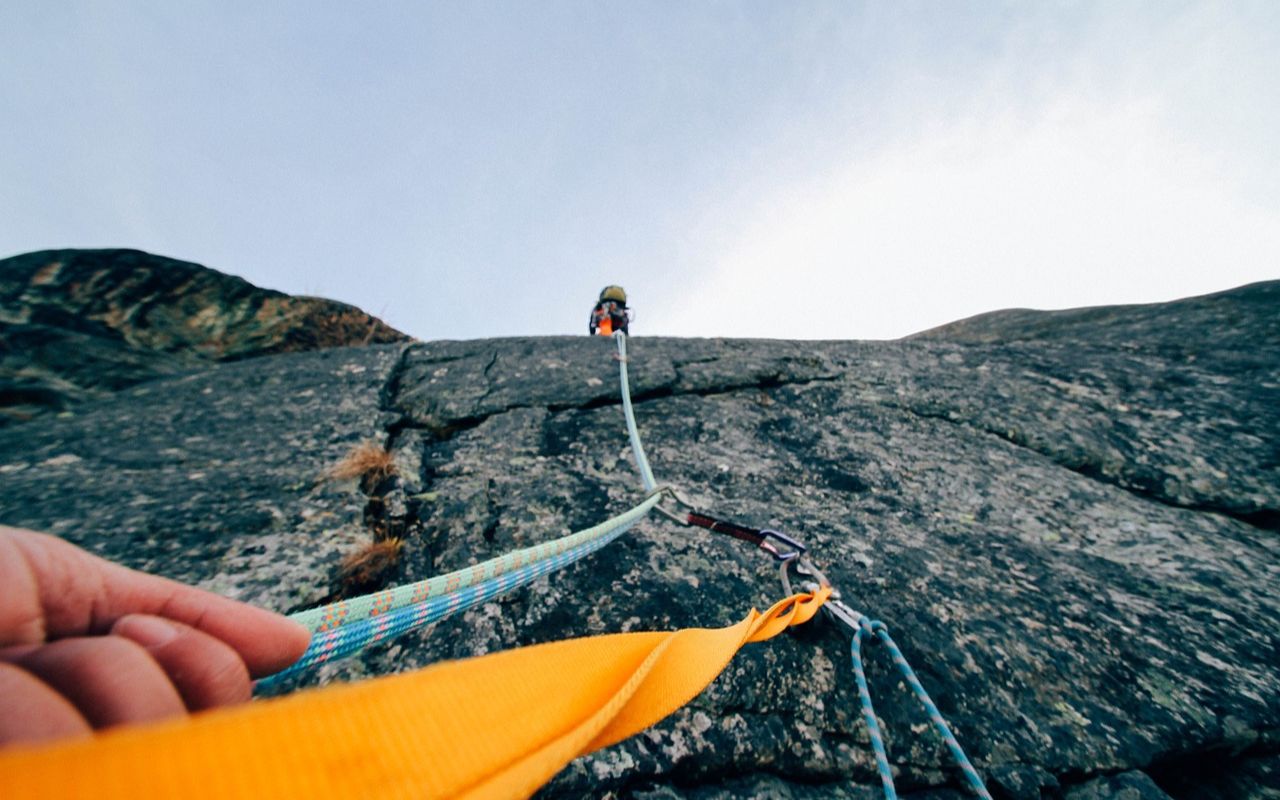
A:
1081, 205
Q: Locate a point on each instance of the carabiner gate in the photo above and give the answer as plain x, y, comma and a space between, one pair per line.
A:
796, 549
835, 607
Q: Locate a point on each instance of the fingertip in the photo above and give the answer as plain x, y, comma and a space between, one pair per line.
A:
288, 641
268, 642
300, 637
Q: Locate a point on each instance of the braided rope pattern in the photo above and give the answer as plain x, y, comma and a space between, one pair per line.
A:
878, 629
345, 640
873, 726
642, 462
345, 612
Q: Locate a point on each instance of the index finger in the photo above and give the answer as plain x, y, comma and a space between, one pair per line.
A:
55, 589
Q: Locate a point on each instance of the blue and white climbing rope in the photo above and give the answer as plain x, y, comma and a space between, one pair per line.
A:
355, 609
873, 725
348, 626
352, 637
878, 629
858, 625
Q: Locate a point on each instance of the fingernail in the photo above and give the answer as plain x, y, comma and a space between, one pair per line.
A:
147, 631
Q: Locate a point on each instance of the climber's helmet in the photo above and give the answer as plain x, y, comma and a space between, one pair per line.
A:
614, 293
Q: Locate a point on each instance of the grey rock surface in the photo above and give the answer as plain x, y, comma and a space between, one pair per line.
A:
214, 478
1227, 326
1072, 540
81, 324
1132, 785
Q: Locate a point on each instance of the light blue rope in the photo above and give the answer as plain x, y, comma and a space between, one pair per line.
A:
873, 726
878, 628
353, 637
345, 612
642, 462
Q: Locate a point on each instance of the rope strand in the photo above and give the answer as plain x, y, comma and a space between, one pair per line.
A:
353, 636
880, 630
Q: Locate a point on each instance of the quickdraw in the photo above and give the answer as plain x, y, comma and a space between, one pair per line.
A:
777, 544
791, 554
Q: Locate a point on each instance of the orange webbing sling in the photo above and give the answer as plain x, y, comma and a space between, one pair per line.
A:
496, 726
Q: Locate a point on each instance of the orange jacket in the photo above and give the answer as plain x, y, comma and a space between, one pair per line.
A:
607, 317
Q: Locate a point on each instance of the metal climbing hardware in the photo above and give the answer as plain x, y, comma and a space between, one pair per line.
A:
835, 606
766, 539
776, 543
669, 491
860, 625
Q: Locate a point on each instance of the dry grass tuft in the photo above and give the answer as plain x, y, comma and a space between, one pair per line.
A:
369, 567
368, 461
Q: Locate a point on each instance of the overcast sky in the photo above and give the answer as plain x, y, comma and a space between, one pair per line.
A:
773, 169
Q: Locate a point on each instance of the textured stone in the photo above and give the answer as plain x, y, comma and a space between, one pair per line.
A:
1072, 539
1237, 328
80, 324
1223, 775
215, 478
1125, 786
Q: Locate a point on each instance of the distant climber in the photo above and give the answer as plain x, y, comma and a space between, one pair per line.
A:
611, 313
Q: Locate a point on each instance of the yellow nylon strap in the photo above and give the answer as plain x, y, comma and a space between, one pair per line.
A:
491, 727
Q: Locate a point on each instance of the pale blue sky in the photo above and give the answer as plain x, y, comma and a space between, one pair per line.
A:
798, 170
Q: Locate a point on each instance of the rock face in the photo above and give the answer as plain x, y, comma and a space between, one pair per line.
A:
80, 324
1226, 326
1072, 535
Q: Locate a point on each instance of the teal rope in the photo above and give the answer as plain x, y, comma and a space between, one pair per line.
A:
873, 725
642, 462
345, 612
878, 628
351, 638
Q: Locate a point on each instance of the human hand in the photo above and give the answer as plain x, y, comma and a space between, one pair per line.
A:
87, 644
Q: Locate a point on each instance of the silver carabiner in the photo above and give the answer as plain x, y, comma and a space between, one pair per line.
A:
670, 491
835, 607
797, 550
